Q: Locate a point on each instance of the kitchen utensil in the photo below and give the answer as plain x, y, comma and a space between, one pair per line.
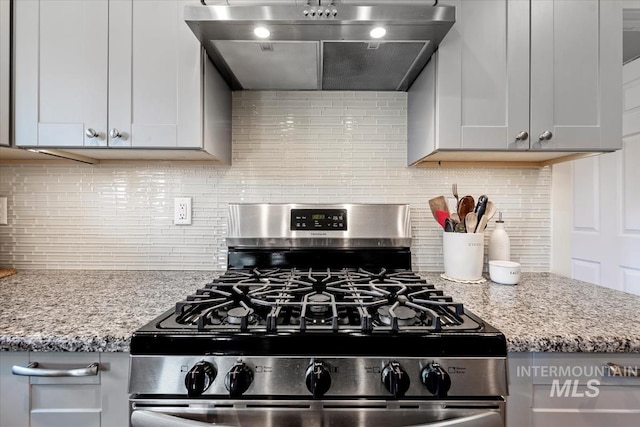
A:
482, 224
459, 227
505, 272
491, 210
448, 225
454, 190
465, 206
455, 218
438, 204
489, 213
471, 222
441, 216
480, 208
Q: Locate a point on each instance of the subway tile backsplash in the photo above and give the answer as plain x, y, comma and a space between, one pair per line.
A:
311, 147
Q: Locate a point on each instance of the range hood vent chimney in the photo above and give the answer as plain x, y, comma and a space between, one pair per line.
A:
319, 45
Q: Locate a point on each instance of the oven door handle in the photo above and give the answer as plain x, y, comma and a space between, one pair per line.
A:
155, 419
140, 418
484, 419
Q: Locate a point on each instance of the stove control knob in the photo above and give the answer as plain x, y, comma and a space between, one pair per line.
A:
395, 379
436, 379
238, 379
318, 379
199, 378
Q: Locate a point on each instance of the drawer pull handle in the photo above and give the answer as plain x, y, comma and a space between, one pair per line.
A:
616, 370
32, 370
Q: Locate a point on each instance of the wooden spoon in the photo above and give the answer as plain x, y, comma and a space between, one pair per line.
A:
491, 210
470, 222
465, 206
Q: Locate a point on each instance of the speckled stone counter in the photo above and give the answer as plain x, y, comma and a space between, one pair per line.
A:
86, 310
550, 313
61, 310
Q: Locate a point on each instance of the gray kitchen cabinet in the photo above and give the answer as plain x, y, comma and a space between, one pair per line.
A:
5, 44
520, 80
97, 76
572, 390
99, 400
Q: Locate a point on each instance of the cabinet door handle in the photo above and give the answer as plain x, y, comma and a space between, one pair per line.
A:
32, 370
545, 136
114, 133
522, 136
616, 370
91, 133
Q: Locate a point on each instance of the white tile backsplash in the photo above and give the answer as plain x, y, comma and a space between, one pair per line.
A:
314, 147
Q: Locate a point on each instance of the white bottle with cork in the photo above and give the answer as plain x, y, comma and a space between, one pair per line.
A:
499, 243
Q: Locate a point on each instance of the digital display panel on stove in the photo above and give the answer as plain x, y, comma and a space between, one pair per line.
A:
319, 219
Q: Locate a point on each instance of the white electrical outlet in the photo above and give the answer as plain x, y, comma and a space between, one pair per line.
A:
3, 211
182, 211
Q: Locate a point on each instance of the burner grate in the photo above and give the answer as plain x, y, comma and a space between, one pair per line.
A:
294, 300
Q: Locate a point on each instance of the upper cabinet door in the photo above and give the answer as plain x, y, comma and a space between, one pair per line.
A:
4, 70
487, 52
576, 75
155, 76
61, 72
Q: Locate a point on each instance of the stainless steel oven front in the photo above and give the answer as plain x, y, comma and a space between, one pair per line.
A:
351, 391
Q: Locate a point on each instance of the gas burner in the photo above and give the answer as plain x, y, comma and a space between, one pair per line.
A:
405, 315
319, 303
236, 315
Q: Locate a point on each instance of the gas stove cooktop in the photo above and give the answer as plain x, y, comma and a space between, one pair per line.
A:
289, 311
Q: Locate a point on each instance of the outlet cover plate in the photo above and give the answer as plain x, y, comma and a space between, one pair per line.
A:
182, 211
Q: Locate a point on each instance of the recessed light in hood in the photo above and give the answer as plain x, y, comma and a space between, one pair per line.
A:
320, 45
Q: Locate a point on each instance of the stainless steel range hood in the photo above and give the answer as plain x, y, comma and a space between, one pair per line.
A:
319, 45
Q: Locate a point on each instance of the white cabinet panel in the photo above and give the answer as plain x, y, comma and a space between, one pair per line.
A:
100, 400
155, 100
132, 71
65, 419
5, 25
565, 73
64, 55
540, 66
539, 397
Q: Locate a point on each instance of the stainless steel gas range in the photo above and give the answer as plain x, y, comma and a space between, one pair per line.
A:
318, 321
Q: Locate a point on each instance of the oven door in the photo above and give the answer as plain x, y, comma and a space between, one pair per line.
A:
342, 413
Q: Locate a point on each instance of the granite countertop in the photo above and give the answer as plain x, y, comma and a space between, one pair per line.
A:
85, 310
